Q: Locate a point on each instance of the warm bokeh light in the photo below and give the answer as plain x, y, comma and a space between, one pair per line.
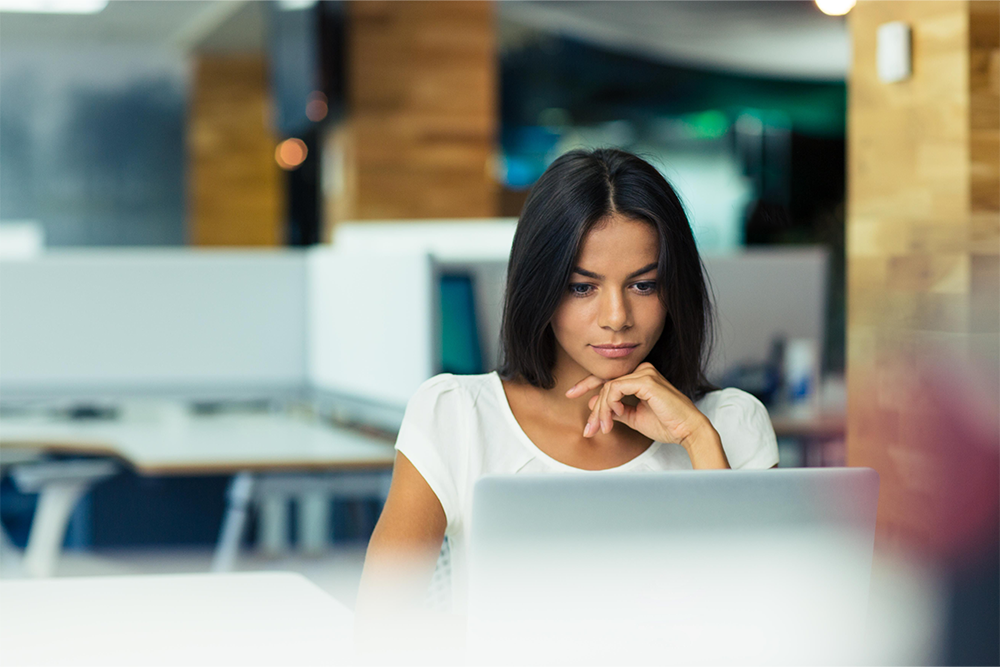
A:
316, 107
835, 7
291, 153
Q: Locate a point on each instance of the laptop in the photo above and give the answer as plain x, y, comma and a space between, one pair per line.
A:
687, 567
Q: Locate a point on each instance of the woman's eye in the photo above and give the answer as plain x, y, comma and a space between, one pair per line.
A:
579, 289
646, 287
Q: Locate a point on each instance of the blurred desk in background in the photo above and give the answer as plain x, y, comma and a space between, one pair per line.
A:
285, 456
172, 442
220, 619
819, 434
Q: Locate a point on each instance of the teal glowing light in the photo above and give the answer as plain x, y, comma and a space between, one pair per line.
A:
707, 124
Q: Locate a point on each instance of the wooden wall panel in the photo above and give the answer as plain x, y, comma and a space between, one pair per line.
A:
923, 244
984, 139
984, 115
236, 189
420, 134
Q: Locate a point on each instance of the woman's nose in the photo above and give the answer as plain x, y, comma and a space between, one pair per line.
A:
614, 312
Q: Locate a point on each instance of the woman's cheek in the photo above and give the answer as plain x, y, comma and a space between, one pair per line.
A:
570, 322
654, 318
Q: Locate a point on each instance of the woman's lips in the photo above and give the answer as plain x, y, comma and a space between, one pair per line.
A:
614, 351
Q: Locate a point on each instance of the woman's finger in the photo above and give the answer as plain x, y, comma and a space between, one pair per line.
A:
606, 414
594, 420
643, 388
627, 415
614, 406
588, 383
613, 398
592, 426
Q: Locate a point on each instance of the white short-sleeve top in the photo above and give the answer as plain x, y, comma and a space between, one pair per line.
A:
458, 428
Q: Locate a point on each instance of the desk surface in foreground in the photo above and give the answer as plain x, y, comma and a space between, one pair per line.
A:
246, 619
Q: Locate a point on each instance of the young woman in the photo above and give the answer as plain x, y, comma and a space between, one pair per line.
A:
606, 327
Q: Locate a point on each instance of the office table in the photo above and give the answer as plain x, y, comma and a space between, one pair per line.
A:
813, 429
259, 618
169, 441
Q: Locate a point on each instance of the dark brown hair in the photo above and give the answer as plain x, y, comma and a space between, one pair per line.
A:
577, 191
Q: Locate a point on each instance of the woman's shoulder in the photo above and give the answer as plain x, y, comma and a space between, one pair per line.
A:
744, 426
736, 411
730, 398
461, 387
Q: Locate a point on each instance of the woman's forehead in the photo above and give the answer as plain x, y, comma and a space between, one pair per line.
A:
620, 242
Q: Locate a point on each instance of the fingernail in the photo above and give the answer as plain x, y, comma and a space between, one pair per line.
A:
604, 427
587, 430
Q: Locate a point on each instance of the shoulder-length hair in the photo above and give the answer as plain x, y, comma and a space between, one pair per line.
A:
579, 190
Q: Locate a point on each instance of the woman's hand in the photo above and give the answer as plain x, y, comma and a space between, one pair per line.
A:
662, 413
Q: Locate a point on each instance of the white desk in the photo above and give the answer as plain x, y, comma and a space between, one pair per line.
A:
167, 441
172, 443
260, 618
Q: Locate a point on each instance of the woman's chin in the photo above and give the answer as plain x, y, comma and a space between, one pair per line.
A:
610, 369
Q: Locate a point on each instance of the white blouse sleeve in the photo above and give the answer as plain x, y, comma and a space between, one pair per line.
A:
745, 428
432, 437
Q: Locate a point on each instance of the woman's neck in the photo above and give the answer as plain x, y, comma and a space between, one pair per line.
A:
563, 409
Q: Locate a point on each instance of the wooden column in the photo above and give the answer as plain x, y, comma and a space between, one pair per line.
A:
236, 189
923, 244
419, 137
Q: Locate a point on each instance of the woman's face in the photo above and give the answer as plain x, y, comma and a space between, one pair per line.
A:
611, 314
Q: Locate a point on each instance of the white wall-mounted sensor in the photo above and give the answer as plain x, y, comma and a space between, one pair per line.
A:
893, 52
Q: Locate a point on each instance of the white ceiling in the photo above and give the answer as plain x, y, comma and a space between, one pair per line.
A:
784, 38
156, 23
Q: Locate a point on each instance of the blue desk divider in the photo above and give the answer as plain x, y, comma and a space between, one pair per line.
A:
461, 352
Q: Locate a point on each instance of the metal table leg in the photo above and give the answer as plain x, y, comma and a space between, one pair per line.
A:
313, 493
60, 485
238, 500
314, 521
272, 525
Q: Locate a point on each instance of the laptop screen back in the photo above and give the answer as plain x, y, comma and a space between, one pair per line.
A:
778, 562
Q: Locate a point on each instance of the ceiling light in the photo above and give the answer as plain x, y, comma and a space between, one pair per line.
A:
835, 7
295, 5
53, 6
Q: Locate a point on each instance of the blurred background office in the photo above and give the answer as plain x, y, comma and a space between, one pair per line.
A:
848, 216
267, 124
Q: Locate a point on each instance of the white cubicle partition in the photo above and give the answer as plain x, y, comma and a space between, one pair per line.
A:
371, 323
489, 279
92, 321
447, 240
478, 248
21, 239
759, 293
357, 319
763, 293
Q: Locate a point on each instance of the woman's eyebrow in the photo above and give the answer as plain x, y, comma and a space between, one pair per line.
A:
597, 276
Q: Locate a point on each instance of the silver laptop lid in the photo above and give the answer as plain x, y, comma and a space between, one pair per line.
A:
777, 561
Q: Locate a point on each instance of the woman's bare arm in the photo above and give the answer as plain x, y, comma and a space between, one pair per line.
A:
401, 555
